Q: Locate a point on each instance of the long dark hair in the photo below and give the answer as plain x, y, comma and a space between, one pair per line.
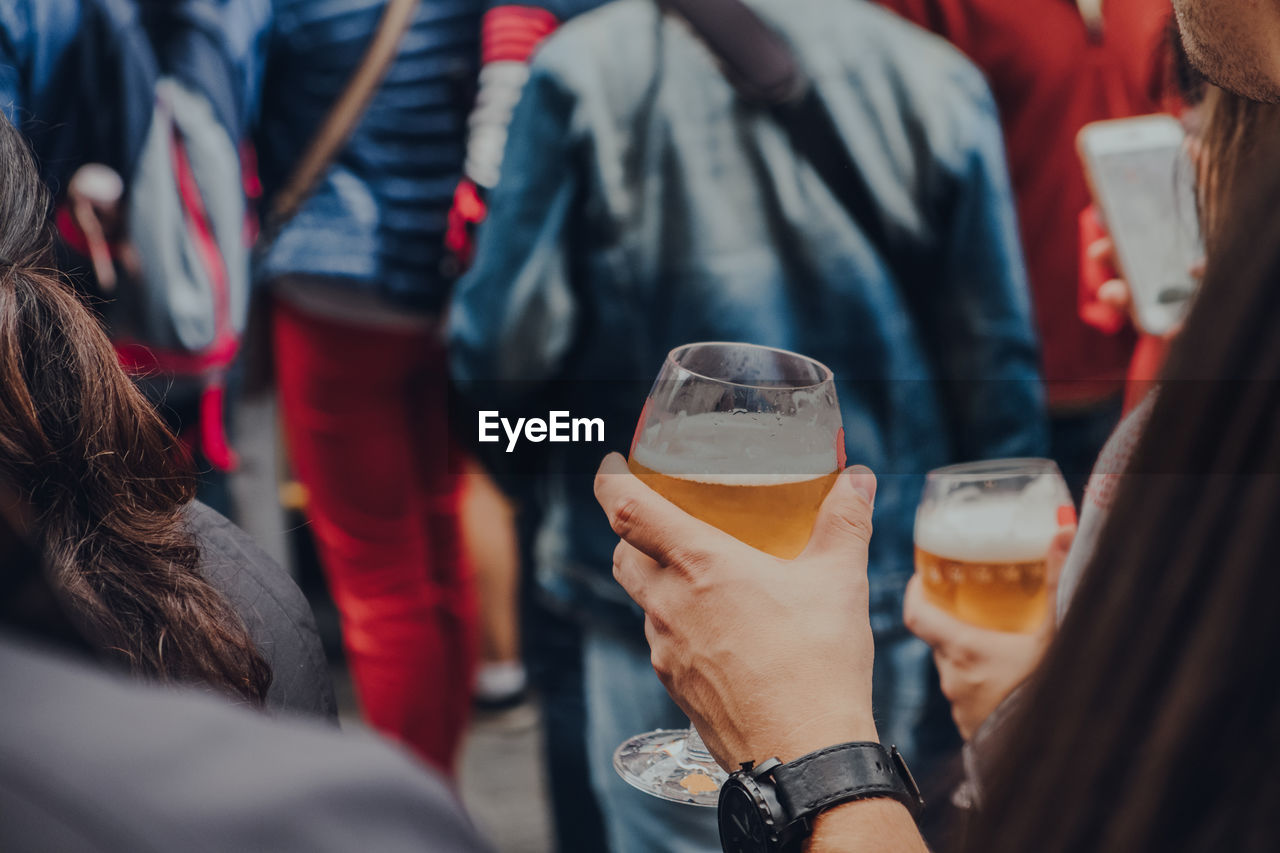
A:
101, 473
1153, 724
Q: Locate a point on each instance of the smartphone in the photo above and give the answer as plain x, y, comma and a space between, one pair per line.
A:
1144, 186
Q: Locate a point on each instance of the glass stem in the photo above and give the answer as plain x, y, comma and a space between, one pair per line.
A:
694, 747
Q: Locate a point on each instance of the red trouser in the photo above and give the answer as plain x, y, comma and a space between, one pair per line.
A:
366, 423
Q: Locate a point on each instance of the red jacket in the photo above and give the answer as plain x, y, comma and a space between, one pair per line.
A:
1051, 75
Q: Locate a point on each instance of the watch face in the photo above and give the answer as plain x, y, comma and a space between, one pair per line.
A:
742, 829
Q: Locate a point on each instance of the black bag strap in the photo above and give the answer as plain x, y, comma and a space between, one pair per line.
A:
758, 63
764, 71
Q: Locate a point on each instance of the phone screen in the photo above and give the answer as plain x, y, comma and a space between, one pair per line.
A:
1147, 196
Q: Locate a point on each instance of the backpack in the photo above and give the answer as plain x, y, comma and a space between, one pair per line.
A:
171, 269
175, 280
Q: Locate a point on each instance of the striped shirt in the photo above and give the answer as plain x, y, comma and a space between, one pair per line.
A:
378, 218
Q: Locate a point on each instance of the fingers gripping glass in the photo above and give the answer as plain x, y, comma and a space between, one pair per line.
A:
748, 439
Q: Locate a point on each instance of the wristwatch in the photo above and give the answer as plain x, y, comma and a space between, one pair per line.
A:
770, 807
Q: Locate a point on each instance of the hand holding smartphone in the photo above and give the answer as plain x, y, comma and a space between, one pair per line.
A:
1144, 186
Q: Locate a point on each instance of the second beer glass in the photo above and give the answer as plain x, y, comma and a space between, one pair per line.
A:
748, 439
983, 533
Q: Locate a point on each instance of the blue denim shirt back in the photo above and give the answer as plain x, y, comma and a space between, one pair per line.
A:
642, 205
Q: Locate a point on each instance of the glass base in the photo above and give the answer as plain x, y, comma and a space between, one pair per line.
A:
667, 765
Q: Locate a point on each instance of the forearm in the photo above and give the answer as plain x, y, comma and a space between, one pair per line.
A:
866, 826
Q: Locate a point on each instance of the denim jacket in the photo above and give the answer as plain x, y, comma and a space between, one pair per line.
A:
642, 206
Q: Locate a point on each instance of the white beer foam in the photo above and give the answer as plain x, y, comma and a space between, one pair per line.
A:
737, 449
995, 528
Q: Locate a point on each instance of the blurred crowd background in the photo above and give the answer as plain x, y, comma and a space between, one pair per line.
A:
323, 233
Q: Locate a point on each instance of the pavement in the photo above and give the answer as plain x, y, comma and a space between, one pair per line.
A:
503, 783
501, 776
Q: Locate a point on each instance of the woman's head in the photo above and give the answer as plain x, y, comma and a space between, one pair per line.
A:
100, 471
1155, 718
1237, 141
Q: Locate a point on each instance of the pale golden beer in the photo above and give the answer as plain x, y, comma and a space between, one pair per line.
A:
1001, 596
982, 539
774, 514
768, 499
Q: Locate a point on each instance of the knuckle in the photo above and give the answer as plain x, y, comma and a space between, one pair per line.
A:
911, 618
946, 678
854, 527
626, 582
624, 578
660, 663
687, 560
656, 614
623, 517
910, 614
700, 582
860, 525
956, 687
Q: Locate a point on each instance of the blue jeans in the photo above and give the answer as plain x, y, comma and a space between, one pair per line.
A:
552, 646
625, 698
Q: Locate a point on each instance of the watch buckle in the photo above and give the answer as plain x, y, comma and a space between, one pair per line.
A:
764, 768
904, 773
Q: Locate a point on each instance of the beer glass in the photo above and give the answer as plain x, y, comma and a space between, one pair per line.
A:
983, 533
748, 439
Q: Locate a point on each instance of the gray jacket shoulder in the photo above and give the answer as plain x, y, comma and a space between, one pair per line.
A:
91, 763
273, 609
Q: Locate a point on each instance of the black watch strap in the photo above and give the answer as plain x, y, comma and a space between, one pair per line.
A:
837, 774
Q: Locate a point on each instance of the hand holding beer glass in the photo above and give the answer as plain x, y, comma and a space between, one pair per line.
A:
982, 537
748, 439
